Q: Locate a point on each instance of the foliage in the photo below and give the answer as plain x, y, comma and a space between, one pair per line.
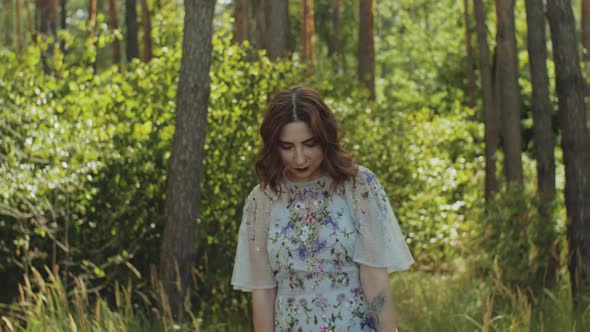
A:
423, 302
517, 243
84, 157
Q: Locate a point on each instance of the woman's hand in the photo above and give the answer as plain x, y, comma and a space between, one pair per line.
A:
375, 284
263, 305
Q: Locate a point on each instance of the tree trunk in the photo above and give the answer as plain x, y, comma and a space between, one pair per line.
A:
508, 99
262, 9
177, 254
490, 113
8, 30
575, 143
585, 22
45, 21
20, 37
334, 47
91, 16
92, 29
113, 20
279, 28
32, 24
64, 14
241, 26
366, 47
470, 71
132, 42
147, 31
63, 22
307, 32
543, 129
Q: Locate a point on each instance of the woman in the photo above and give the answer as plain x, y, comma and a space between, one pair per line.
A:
318, 236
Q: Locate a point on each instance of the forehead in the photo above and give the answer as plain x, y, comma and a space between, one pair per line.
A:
295, 132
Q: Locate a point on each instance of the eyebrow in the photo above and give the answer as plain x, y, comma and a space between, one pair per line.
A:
306, 141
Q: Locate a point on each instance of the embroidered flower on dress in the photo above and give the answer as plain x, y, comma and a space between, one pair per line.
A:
304, 233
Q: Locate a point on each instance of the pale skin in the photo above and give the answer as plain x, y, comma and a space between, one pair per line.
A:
302, 158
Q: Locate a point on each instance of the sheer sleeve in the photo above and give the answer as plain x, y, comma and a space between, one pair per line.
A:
379, 242
251, 267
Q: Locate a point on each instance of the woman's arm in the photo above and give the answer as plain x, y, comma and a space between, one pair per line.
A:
263, 305
375, 284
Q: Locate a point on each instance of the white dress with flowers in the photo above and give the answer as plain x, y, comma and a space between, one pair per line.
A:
308, 243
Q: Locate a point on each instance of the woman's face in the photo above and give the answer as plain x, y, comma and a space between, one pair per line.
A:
301, 153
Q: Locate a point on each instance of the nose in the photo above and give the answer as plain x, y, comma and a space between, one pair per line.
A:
299, 158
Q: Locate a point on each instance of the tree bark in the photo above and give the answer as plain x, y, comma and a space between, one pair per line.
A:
334, 47
508, 99
575, 143
91, 16
113, 20
241, 26
8, 30
279, 28
19, 27
262, 8
132, 41
490, 113
45, 12
63, 22
543, 129
64, 14
366, 47
92, 29
177, 254
147, 31
585, 22
307, 32
469, 66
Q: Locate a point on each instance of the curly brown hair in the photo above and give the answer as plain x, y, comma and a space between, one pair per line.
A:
301, 103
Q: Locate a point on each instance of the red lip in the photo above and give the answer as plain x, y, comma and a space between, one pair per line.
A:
302, 169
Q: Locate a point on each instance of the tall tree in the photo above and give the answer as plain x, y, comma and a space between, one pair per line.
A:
20, 37
92, 29
8, 23
366, 46
241, 21
64, 14
114, 22
279, 28
63, 22
45, 17
334, 46
307, 32
543, 129
262, 10
490, 112
585, 22
45, 22
91, 16
132, 41
147, 31
177, 254
469, 63
508, 99
575, 142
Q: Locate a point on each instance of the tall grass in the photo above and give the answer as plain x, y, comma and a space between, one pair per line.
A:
431, 302
424, 302
45, 304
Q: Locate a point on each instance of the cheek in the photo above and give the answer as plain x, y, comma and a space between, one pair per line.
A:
284, 155
318, 154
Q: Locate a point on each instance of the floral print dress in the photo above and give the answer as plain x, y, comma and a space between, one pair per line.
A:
308, 242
